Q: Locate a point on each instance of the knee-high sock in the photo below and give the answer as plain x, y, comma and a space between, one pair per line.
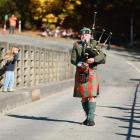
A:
85, 107
91, 107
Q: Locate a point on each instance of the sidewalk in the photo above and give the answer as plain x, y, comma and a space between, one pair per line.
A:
9, 100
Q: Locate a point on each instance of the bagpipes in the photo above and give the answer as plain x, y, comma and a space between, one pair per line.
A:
91, 53
103, 34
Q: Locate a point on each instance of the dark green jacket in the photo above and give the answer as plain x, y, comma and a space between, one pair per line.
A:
77, 53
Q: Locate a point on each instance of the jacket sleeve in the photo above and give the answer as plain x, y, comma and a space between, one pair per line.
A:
15, 58
74, 56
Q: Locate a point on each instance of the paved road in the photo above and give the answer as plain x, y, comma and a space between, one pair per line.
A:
58, 116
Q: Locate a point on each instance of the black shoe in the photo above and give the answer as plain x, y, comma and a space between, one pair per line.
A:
90, 123
84, 122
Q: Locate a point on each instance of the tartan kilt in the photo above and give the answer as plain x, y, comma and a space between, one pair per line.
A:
89, 88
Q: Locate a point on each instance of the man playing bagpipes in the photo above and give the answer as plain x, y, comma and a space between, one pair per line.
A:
86, 56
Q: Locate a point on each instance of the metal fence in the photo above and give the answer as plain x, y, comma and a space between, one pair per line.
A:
37, 65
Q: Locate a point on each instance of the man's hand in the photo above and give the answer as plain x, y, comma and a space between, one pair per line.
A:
90, 60
83, 65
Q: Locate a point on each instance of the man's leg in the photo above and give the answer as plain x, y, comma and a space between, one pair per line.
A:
84, 102
13, 29
91, 115
10, 30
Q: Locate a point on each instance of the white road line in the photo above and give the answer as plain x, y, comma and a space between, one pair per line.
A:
135, 67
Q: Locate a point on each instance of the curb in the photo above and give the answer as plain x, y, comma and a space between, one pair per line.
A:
10, 100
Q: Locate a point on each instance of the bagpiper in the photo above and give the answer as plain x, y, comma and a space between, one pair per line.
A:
86, 56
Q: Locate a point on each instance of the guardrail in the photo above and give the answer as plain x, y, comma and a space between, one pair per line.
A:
38, 65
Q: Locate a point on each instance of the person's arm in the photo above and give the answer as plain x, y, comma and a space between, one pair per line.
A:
15, 57
74, 56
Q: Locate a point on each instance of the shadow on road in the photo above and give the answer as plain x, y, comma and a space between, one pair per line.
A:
40, 118
133, 118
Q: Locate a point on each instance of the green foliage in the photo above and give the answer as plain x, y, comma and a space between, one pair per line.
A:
2, 2
28, 25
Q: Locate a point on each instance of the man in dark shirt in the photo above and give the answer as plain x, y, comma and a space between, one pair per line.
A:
86, 80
